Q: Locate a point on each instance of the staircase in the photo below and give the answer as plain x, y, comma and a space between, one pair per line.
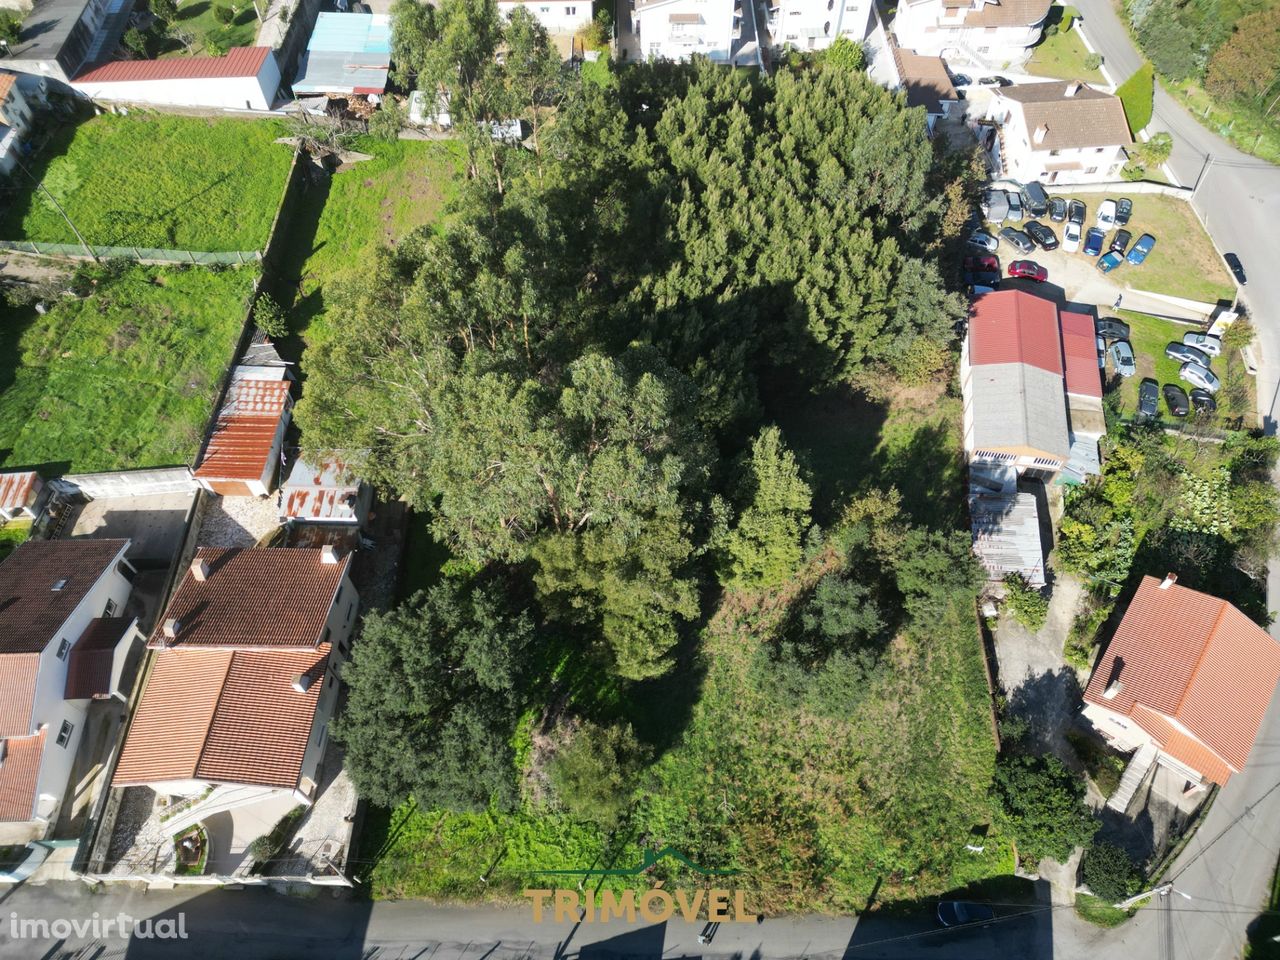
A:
1139, 765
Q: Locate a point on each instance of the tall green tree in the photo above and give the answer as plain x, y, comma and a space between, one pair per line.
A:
1043, 806
766, 546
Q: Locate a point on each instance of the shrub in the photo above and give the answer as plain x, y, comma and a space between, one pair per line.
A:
1042, 805
388, 121
270, 317
1109, 872
597, 34
1030, 607
135, 41
223, 14
594, 774
1051, 30
1093, 61
846, 55
1137, 94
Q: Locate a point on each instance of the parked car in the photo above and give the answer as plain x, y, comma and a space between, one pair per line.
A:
1185, 354
1015, 204
1017, 239
1122, 358
1120, 242
983, 278
982, 240
1076, 211
1102, 353
1109, 262
1106, 215
1175, 398
1148, 397
1057, 209
1035, 199
1071, 237
978, 289
1204, 343
982, 263
1141, 250
1112, 328
1028, 270
1124, 210
1041, 234
1199, 376
1093, 242
961, 913
995, 82
961, 80
1203, 401
1237, 268
995, 206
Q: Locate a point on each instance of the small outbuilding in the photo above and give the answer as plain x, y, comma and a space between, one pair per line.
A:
325, 490
239, 459
348, 53
247, 78
19, 494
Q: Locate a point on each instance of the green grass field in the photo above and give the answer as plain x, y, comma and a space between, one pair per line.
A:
196, 17
1099, 912
1063, 54
1149, 336
123, 378
1184, 262
151, 180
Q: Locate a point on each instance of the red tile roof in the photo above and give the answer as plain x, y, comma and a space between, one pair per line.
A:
1196, 660
264, 597
224, 716
16, 488
1080, 353
241, 444
239, 62
1009, 326
7, 81
31, 610
19, 776
17, 692
90, 661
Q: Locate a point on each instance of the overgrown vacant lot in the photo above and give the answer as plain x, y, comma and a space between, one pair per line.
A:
125, 377
154, 181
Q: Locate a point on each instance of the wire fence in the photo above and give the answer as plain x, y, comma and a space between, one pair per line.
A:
141, 254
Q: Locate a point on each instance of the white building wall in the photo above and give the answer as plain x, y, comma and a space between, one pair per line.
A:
815, 24
228, 93
557, 16
1022, 161
661, 38
932, 30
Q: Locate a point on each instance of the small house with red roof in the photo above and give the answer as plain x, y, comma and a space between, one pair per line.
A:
1185, 683
242, 451
245, 78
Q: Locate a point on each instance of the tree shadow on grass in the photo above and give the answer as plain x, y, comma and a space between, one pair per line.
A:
190, 11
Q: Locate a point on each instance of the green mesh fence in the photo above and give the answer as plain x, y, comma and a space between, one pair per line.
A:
149, 254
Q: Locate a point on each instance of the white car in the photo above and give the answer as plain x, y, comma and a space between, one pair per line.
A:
1106, 215
1199, 376
1071, 237
1202, 341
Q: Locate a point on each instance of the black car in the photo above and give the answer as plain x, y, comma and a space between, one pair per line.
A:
1112, 328
1017, 239
1076, 211
1237, 268
1148, 397
1175, 399
960, 80
1124, 210
1034, 199
1120, 242
995, 82
1041, 234
960, 913
1057, 209
982, 278
1203, 400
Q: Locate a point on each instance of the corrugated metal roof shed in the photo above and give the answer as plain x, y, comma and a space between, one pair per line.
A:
347, 53
1006, 535
243, 437
16, 489
238, 62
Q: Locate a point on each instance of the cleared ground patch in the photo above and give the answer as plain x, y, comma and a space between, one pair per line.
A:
151, 180
1063, 54
125, 377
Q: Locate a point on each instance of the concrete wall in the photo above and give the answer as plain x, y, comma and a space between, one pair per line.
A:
127, 483
234, 93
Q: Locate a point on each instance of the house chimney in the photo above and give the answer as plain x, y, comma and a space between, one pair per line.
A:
301, 683
172, 627
328, 554
1072, 88
1042, 131
1113, 688
1169, 580
200, 569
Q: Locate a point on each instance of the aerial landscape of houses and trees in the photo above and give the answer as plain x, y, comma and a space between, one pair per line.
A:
491, 459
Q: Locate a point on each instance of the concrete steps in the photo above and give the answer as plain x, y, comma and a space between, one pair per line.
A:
1139, 766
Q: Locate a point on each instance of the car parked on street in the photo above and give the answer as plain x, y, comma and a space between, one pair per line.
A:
1120, 242
1041, 234
982, 240
1057, 209
983, 278
1148, 397
1139, 252
1071, 237
1112, 328
1106, 215
1175, 398
961, 913
1199, 376
1124, 210
1204, 343
1015, 204
1017, 239
1122, 358
1028, 270
1109, 262
1093, 242
995, 206
1185, 354
1203, 401
1237, 268
1034, 199
1076, 212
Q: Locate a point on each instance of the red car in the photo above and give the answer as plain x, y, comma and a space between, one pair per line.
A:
1028, 270
974, 264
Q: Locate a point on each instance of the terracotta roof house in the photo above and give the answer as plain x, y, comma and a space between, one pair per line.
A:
326, 492
1185, 682
55, 596
243, 682
995, 34
19, 491
926, 83
240, 456
244, 78
1061, 132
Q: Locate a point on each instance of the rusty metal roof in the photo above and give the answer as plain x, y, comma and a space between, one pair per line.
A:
19, 775
329, 490
240, 446
17, 489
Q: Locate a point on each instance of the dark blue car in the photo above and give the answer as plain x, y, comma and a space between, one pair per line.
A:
1144, 246
1093, 242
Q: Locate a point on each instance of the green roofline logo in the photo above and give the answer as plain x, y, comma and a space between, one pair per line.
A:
649, 859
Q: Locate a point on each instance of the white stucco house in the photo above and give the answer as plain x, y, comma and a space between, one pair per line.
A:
557, 16
815, 24
1060, 132
724, 31
63, 643
995, 34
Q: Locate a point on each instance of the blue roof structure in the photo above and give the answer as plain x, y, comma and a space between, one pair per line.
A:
347, 53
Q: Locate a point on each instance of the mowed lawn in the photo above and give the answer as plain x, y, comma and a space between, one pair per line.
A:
1149, 336
124, 378
156, 181
1184, 262
1063, 54
375, 202
196, 17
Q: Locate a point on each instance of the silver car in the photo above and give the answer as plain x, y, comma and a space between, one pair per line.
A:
1204, 343
1199, 376
983, 241
1185, 354
1122, 359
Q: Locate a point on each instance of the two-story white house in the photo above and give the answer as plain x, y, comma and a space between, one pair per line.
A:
995, 34
1059, 132
815, 24
63, 641
724, 31
557, 16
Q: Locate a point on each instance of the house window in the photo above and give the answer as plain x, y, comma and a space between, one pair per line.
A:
544, 9
1054, 153
984, 49
570, 11
1100, 149
110, 609
350, 609
330, 680
325, 637
64, 645
1091, 170
64, 734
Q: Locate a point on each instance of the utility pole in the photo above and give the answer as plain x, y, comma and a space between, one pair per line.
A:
1204, 170
54, 200
1161, 891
